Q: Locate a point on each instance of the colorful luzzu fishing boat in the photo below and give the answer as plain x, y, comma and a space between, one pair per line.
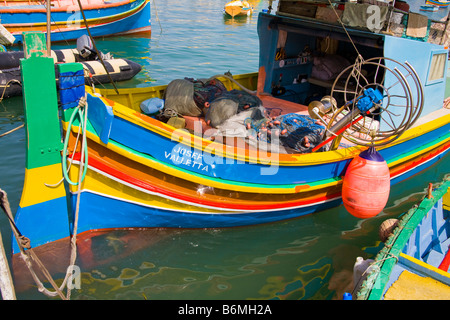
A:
438, 3
414, 263
175, 170
103, 17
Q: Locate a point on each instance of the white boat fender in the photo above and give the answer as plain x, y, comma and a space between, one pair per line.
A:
387, 228
152, 106
360, 271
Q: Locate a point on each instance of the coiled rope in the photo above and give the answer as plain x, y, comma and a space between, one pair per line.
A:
81, 112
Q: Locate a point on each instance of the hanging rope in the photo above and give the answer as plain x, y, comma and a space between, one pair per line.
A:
27, 253
81, 112
356, 70
345, 29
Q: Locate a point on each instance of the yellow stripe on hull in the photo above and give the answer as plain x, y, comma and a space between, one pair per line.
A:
205, 181
330, 156
102, 185
235, 153
35, 190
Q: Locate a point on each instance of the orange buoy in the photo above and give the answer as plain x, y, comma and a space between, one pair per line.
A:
366, 186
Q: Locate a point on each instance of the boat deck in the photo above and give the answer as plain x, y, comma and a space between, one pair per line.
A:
419, 273
274, 106
410, 286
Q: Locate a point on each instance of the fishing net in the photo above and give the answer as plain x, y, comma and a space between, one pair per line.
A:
237, 113
206, 91
299, 132
179, 98
188, 97
228, 104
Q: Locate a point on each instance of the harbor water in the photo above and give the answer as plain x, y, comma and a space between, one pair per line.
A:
311, 257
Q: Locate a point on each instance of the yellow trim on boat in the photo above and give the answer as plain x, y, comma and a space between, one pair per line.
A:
410, 286
446, 200
184, 137
94, 182
418, 131
81, 21
35, 190
210, 182
300, 160
425, 265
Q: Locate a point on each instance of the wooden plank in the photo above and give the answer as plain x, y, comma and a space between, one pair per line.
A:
6, 283
298, 8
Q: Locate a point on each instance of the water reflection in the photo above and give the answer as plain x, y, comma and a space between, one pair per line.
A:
238, 20
304, 258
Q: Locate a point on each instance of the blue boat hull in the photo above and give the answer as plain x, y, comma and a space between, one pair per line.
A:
139, 21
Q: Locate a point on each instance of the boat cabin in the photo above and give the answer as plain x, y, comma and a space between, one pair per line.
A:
305, 45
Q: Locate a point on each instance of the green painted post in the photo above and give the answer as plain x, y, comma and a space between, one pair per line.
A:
43, 213
41, 103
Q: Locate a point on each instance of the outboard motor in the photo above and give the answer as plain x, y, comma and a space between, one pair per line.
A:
85, 48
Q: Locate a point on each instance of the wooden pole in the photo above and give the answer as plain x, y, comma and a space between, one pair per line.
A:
6, 283
49, 9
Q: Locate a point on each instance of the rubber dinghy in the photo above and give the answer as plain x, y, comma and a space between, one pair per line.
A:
95, 72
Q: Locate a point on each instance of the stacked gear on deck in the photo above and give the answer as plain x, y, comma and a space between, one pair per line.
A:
189, 97
206, 92
298, 132
237, 113
229, 104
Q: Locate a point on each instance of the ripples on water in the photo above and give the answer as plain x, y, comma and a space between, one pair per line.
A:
191, 39
305, 258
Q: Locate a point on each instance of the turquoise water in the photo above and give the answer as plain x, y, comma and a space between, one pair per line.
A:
306, 258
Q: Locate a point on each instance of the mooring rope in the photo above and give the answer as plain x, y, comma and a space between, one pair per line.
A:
12, 130
23, 242
6, 87
28, 255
